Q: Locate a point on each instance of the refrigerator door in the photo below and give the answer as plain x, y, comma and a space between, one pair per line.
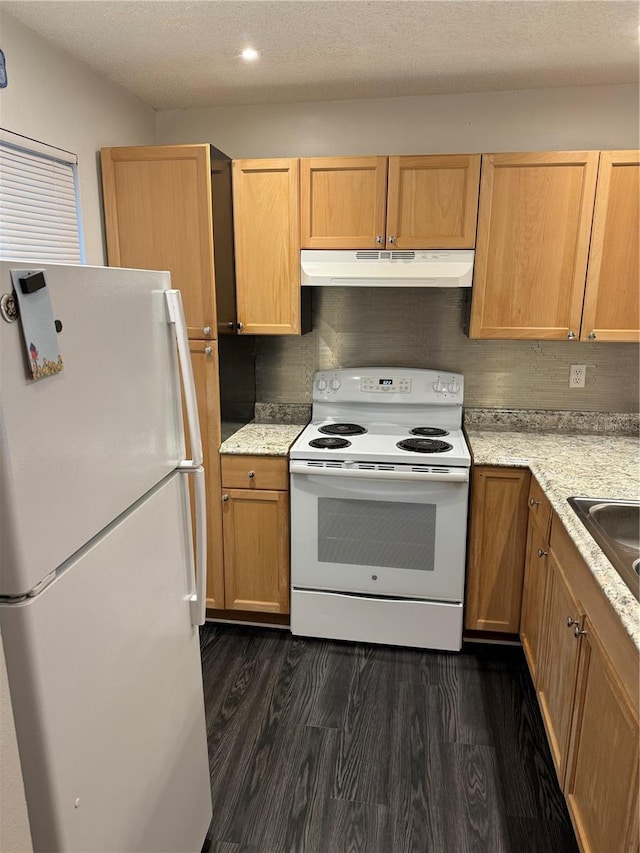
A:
79, 447
106, 687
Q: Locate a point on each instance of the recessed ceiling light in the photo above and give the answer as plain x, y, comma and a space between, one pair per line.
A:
249, 54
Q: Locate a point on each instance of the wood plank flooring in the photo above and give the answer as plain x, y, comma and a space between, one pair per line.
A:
324, 747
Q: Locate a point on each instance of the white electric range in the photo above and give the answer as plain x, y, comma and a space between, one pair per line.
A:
379, 492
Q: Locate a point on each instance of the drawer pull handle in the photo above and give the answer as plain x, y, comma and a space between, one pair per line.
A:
542, 553
533, 502
577, 633
571, 621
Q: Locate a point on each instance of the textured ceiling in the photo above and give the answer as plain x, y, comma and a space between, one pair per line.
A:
186, 54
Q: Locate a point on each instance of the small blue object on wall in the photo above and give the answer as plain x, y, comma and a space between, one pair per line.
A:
3, 71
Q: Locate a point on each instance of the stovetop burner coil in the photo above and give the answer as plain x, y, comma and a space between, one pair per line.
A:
342, 429
429, 432
330, 442
424, 445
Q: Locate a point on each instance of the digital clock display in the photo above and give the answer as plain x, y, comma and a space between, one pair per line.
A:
385, 381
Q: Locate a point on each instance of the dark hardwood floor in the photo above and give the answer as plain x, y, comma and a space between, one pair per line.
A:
325, 747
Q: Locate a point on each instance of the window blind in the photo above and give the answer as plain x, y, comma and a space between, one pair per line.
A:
39, 218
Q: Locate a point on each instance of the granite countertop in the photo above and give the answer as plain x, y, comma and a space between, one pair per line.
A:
565, 464
258, 439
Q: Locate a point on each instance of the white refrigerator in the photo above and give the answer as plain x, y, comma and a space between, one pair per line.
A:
101, 594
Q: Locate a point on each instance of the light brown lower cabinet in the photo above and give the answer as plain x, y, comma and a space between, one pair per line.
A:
496, 548
583, 663
535, 575
204, 362
588, 690
558, 669
602, 775
255, 520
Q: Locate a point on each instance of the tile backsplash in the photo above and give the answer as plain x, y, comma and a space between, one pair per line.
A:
416, 327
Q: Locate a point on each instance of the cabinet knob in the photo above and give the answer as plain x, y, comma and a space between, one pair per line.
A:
533, 502
592, 336
542, 553
208, 350
379, 239
251, 475
206, 330
230, 324
225, 498
577, 633
571, 336
392, 241
571, 621
240, 326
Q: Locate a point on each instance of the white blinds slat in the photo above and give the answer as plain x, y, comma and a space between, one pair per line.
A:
38, 207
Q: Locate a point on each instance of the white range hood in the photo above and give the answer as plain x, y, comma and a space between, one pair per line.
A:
387, 268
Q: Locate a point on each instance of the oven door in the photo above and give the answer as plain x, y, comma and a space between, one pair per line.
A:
379, 536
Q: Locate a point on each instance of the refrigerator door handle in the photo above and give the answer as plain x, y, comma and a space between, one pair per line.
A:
176, 317
198, 600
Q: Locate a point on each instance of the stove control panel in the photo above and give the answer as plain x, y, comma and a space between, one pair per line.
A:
382, 384
388, 386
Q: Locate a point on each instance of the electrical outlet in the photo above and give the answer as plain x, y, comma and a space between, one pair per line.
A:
577, 375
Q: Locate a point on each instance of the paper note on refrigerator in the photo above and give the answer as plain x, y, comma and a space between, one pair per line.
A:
38, 323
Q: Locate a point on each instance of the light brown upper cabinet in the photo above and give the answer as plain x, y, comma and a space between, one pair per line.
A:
404, 202
534, 226
611, 304
162, 204
267, 244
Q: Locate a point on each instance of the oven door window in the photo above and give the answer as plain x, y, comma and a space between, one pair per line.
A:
404, 538
393, 534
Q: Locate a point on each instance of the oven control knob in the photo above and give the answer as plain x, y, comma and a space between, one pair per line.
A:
437, 386
334, 384
321, 384
453, 387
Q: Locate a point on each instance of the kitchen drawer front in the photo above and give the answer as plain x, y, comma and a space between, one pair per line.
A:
539, 508
255, 472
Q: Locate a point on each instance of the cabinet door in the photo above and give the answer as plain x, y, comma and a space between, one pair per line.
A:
256, 550
343, 202
534, 225
558, 663
602, 776
267, 244
223, 254
535, 573
496, 549
433, 202
204, 360
157, 203
611, 304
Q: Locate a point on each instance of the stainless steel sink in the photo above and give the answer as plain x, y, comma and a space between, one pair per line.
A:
615, 525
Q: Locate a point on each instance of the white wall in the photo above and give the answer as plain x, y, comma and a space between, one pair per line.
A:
58, 100
599, 117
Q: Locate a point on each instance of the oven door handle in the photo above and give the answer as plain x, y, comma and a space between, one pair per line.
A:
460, 476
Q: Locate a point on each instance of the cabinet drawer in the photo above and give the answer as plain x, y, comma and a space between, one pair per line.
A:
255, 472
539, 508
